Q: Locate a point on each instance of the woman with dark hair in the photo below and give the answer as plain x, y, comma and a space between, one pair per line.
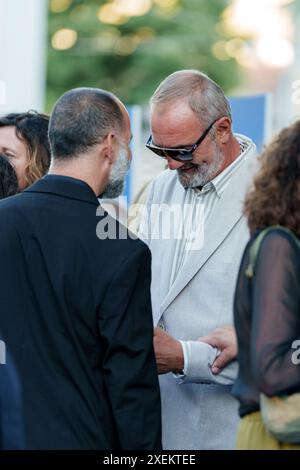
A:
267, 298
24, 141
8, 178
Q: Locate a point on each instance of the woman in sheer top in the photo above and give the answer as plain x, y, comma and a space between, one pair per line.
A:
267, 307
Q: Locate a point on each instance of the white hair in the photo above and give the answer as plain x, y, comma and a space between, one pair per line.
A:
204, 96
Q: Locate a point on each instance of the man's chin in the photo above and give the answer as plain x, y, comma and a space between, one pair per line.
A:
187, 182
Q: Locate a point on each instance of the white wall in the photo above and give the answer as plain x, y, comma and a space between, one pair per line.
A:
287, 95
23, 27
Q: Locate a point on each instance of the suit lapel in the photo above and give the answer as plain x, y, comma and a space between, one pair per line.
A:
227, 214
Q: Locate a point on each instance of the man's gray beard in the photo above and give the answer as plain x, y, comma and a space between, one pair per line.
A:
116, 181
205, 172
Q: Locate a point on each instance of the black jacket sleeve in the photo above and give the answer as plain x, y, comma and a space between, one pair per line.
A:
276, 315
126, 327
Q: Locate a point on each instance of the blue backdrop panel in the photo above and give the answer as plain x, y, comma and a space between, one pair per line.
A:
127, 192
250, 117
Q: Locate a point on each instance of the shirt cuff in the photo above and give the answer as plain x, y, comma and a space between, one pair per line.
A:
181, 375
198, 359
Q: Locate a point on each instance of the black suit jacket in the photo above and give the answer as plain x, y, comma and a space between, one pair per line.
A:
75, 312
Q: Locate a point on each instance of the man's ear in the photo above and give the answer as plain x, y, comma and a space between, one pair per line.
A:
224, 129
108, 148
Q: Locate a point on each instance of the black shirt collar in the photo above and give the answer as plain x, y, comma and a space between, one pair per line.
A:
64, 186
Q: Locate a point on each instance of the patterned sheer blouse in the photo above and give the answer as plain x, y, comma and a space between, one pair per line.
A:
267, 321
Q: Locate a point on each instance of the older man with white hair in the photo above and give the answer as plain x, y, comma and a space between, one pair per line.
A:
196, 231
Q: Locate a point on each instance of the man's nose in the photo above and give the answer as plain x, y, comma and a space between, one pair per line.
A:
173, 164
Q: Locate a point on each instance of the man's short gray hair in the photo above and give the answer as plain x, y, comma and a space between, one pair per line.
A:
204, 96
80, 119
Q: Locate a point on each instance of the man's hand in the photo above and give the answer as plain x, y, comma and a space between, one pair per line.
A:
224, 339
168, 352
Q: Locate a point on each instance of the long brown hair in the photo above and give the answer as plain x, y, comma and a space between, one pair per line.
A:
274, 198
32, 128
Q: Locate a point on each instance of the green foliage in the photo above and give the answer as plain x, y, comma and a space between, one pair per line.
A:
132, 58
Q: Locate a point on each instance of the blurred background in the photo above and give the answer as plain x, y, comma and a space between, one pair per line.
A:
250, 47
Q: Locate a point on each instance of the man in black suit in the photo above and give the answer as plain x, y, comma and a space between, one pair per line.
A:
75, 308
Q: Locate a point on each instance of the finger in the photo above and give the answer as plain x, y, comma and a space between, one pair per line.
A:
216, 334
222, 360
209, 339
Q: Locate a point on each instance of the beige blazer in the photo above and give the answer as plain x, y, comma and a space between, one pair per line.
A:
198, 410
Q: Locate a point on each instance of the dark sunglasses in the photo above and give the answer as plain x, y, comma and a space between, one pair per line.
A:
179, 154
